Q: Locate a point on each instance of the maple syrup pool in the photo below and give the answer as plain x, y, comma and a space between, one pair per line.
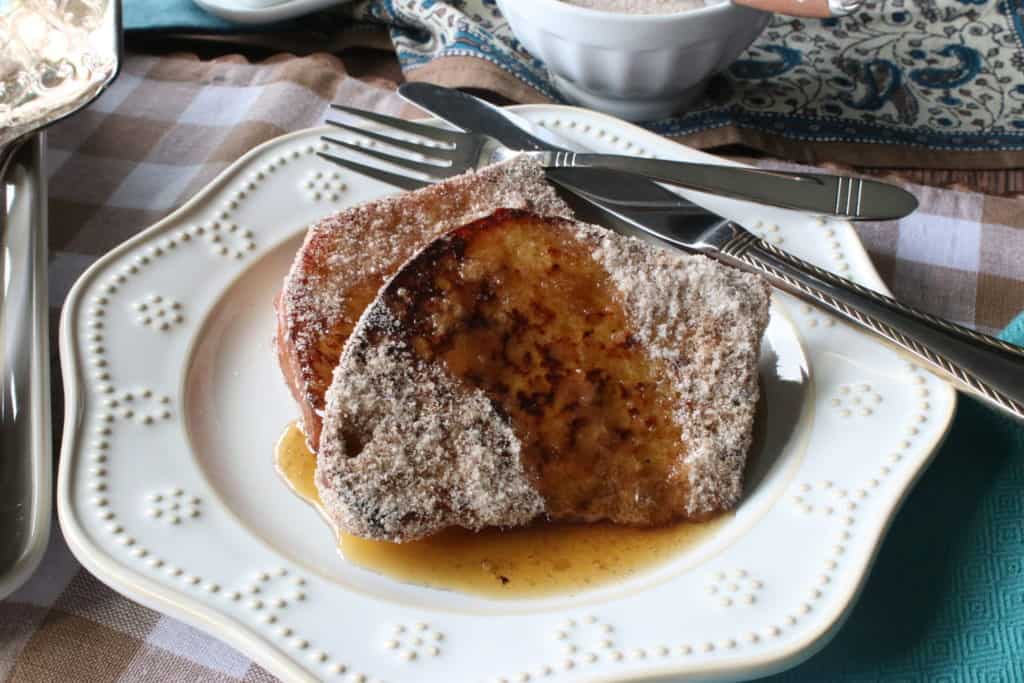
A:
543, 559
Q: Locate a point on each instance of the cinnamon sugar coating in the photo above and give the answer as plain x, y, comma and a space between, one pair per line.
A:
346, 257
523, 366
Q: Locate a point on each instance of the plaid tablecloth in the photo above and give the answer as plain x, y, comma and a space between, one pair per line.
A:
169, 125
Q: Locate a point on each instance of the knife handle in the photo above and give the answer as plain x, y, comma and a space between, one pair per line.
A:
821, 9
818, 193
983, 366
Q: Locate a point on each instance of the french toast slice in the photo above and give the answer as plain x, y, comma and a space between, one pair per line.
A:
346, 257
522, 366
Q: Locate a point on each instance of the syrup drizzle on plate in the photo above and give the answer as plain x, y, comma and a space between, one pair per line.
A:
543, 559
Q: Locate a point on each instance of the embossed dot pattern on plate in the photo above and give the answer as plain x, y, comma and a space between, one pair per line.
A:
134, 427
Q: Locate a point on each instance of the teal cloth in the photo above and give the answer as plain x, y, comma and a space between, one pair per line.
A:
171, 15
945, 600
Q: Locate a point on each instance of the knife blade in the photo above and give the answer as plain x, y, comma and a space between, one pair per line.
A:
627, 203
818, 193
469, 113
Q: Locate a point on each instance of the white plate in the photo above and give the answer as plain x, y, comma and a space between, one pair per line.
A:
262, 11
174, 400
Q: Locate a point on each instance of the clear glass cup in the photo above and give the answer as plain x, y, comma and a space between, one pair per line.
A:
47, 54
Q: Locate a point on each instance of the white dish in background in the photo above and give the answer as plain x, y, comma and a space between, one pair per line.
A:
167, 490
636, 66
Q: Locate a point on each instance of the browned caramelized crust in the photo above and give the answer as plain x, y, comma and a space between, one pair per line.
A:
347, 257
517, 366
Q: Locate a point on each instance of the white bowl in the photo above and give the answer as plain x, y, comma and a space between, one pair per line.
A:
634, 66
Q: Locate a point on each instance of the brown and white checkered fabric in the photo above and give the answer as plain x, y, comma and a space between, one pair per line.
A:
164, 129
959, 256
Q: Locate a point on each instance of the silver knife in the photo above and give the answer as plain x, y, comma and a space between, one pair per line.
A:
818, 193
983, 366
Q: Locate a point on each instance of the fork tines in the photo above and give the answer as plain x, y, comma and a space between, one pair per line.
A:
438, 160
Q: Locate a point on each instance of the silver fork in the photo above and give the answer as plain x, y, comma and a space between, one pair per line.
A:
819, 193
983, 366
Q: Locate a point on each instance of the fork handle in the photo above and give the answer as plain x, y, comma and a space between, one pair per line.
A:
980, 365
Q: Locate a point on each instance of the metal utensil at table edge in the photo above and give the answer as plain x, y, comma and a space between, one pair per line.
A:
24, 370
985, 367
24, 387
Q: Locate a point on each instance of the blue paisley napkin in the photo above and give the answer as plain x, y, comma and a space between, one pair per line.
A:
944, 74
948, 74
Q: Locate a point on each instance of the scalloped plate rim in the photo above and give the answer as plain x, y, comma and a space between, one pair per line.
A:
269, 654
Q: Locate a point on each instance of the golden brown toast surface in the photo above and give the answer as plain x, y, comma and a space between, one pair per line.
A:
521, 324
518, 308
346, 257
